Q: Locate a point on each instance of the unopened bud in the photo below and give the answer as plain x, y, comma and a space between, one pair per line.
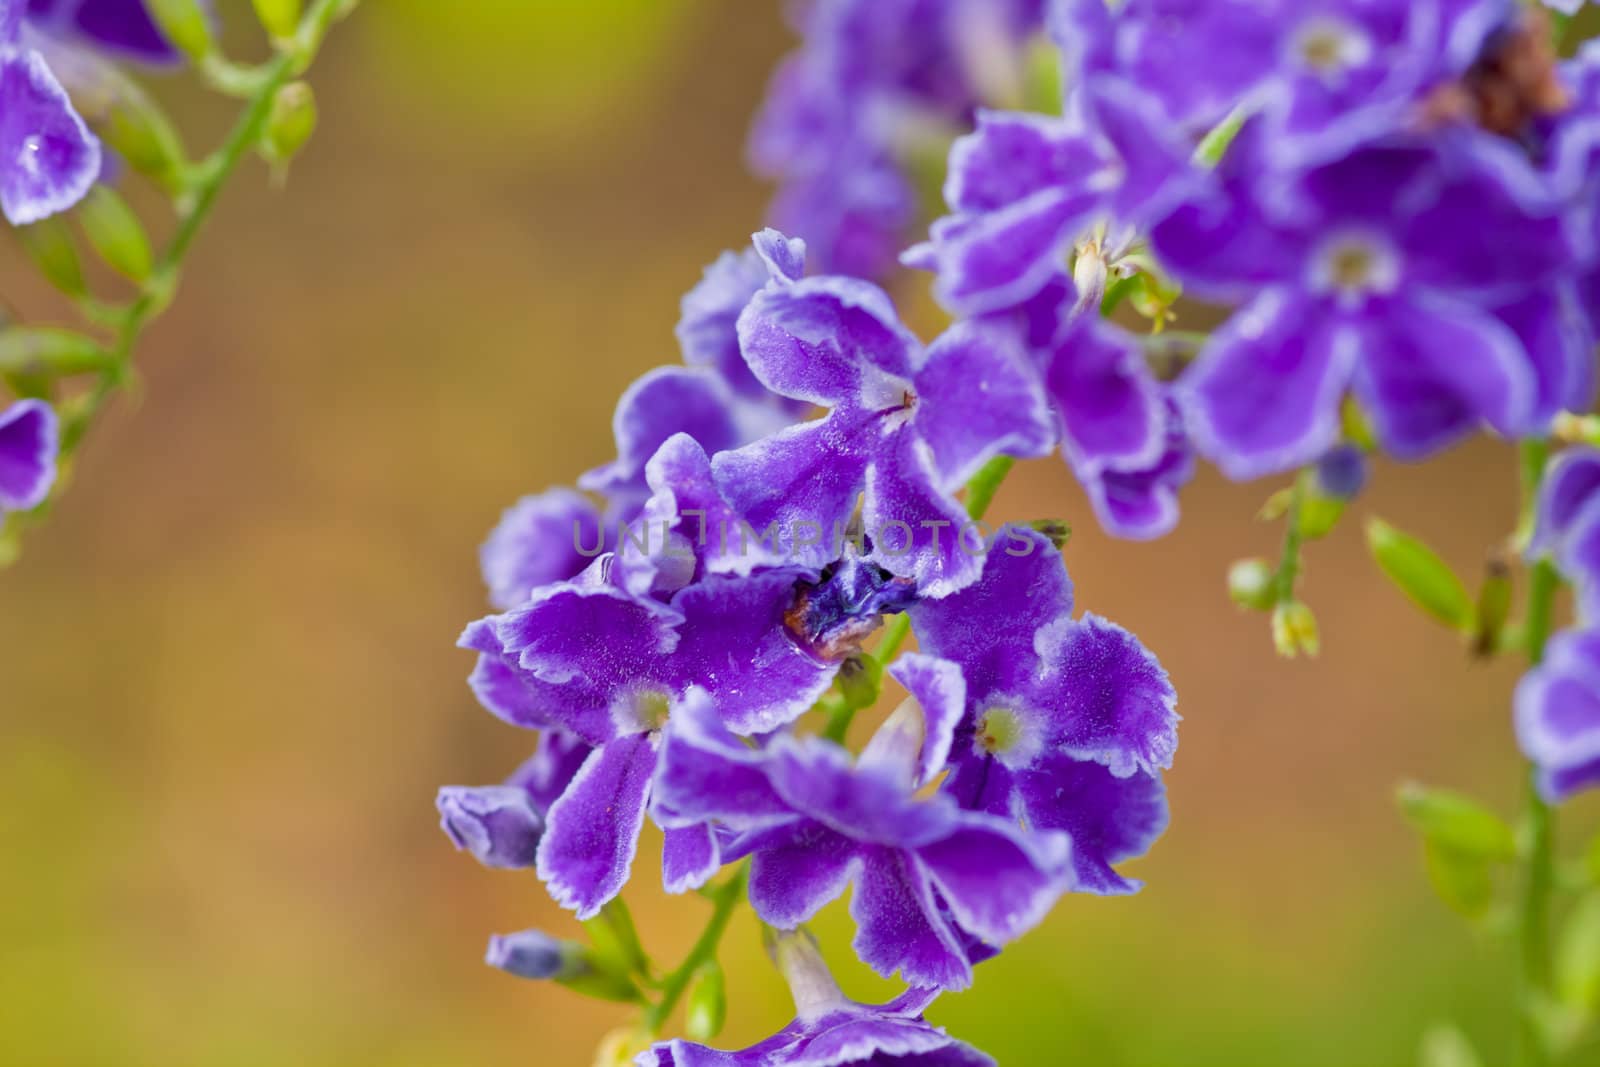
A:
498, 824
292, 122
116, 233
280, 18
1251, 584
185, 24
49, 244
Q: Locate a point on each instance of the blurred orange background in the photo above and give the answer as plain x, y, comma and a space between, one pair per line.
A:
228, 687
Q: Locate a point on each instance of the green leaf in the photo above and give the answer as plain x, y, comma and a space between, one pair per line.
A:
1446, 1046
1577, 963
50, 349
1457, 822
116, 233
1462, 880
708, 1002
1420, 574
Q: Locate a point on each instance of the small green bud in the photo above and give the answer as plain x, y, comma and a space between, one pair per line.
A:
1577, 963
143, 136
1252, 584
1493, 608
49, 244
51, 350
1420, 574
185, 24
280, 18
1457, 821
708, 1003
291, 123
1294, 631
1319, 515
1059, 531
116, 233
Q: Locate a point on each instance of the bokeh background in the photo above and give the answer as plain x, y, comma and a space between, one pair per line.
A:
228, 687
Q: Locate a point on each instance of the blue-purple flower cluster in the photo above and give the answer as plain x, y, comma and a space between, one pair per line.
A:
1394, 205
672, 673
1395, 198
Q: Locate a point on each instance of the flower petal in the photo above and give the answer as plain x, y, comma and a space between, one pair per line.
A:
592, 832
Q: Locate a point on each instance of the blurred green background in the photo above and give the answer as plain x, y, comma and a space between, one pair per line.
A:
227, 683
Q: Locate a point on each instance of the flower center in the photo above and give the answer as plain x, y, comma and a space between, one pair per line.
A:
999, 731
642, 711
1356, 265
1331, 46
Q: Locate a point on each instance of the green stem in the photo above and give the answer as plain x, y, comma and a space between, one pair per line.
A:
1288, 573
213, 175
724, 900
985, 484
1538, 820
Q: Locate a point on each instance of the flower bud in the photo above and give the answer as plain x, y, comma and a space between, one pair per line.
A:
1251, 584
498, 824
1342, 473
185, 24
48, 243
280, 18
534, 954
708, 1003
291, 123
116, 233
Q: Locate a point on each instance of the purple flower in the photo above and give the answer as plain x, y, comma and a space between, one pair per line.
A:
1024, 188
1558, 715
29, 439
926, 873
119, 27
873, 76
1120, 431
830, 1030
1064, 722
1410, 273
48, 157
1324, 75
906, 426
540, 539
609, 665
501, 824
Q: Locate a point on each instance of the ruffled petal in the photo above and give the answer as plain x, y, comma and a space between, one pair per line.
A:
1108, 698
1264, 395
593, 830
1109, 819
